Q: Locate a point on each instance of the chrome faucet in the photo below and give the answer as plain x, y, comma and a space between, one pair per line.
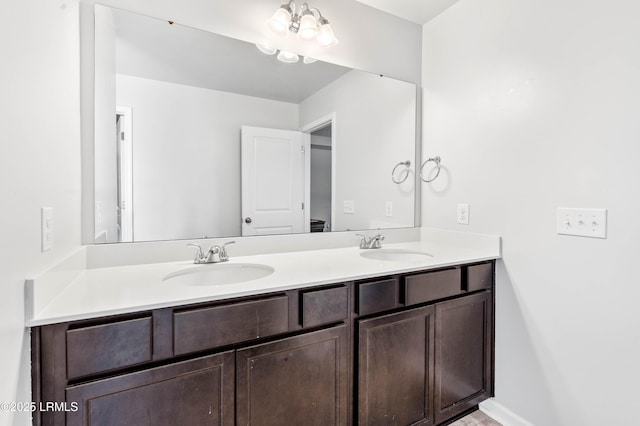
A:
215, 254
374, 242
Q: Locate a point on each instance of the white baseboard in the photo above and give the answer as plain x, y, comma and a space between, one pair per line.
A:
501, 414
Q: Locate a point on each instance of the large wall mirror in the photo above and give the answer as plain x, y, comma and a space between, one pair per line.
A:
200, 135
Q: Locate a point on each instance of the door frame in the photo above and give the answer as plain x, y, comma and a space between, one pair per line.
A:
125, 189
308, 129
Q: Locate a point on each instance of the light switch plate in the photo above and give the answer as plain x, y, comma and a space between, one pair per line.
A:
348, 207
582, 222
388, 209
46, 228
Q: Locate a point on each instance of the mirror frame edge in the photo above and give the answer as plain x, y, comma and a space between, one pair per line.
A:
87, 121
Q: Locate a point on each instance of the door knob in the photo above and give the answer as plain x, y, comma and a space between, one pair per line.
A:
247, 220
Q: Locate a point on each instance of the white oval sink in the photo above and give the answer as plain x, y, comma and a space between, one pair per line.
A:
218, 274
397, 255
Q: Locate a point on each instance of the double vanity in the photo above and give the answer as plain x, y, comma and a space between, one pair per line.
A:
297, 329
393, 336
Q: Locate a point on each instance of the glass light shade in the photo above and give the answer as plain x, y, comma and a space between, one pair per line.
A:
309, 60
326, 37
267, 50
308, 27
288, 57
279, 22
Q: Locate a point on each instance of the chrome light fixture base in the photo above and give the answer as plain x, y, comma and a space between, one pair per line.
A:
307, 22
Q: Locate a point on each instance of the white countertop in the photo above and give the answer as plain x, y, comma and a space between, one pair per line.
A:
68, 293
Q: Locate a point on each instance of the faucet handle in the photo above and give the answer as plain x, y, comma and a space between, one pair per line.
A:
376, 241
370, 243
199, 253
223, 251
363, 241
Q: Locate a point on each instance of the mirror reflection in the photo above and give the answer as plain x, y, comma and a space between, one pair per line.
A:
200, 135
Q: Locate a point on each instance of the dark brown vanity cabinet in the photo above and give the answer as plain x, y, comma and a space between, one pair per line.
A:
407, 349
261, 360
427, 364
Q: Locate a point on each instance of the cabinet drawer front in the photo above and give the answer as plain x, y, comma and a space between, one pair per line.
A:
432, 286
377, 296
324, 306
479, 277
199, 329
105, 347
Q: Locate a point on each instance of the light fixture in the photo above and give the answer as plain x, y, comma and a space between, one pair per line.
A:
288, 57
325, 35
308, 23
267, 50
308, 26
280, 21
284, 56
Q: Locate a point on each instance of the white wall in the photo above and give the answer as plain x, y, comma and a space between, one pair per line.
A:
534, 105
370, 141
171, 122
39, 166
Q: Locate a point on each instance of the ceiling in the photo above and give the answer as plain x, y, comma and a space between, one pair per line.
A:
153, 49
418, 11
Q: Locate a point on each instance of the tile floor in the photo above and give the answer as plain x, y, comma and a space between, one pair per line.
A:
477, 418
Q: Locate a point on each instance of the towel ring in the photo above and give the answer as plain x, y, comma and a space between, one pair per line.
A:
435, 160
404, 174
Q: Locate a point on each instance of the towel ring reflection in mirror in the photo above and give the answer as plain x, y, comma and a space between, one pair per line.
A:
404, 173
436, 160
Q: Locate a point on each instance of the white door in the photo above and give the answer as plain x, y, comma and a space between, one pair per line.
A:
273, 181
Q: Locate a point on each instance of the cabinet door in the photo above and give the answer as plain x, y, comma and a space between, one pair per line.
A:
195, 392
395, 368
301, 380
463, 360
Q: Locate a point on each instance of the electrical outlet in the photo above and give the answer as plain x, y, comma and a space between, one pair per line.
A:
463, 214
46, 228
348, 207
388, 209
